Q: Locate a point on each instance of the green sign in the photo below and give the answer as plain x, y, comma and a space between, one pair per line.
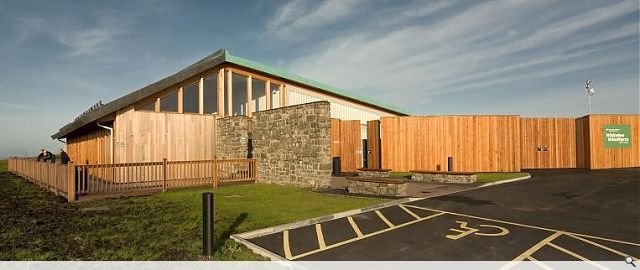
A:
617, 136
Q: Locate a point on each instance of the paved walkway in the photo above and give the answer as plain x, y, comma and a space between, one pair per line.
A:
555, 215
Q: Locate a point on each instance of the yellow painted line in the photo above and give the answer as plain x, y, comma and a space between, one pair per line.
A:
578, 256
321, 243
366, 236
354, 226
285, 245
537, 246
539, 263
409, 211
482, 218
385, 219
527, 226
603, 247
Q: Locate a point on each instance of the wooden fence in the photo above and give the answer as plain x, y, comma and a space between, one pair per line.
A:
478, 143
54, 177
94, 179
547, 143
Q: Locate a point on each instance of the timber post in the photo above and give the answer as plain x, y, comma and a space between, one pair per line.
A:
164, 175
71, 182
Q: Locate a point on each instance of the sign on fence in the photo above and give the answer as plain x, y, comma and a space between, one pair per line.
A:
617, 136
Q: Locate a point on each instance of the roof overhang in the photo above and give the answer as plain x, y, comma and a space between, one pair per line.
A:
219, 57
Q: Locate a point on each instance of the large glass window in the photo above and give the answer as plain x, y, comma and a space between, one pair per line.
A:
258, 95
239, 98
190, 98
169, 103
149, 107
275, 96
210, 93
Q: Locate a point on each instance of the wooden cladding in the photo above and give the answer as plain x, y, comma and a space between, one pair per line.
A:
346, 144
373, 145
476, 143
147, 136
90, 148
593, 154
547, 143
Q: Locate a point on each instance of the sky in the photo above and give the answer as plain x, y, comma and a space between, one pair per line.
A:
531, 58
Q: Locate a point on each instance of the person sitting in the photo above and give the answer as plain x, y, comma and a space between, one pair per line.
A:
48, 156
64, 158
40, 155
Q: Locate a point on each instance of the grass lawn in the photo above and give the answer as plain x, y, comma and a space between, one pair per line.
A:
37, 225
481, 177
493, 177
3, 165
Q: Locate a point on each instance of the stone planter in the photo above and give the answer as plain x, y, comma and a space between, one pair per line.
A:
388, 188
443, 177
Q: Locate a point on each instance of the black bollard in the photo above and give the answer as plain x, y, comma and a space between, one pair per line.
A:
450, 164
207, 224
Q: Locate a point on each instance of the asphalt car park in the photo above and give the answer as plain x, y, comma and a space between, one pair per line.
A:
555, 215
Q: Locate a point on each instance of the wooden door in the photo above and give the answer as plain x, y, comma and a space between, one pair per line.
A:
350, 145
373, 144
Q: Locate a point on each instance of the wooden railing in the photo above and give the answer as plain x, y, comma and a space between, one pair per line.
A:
54, 177
92, 179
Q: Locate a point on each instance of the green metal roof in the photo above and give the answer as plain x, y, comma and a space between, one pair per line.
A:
302, 80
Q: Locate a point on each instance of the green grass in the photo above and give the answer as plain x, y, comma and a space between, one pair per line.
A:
167, 226
400, 175
481, 177
3, 165
493, 177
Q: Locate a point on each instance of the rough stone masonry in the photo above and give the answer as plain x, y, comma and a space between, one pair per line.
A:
233, 137
291, 144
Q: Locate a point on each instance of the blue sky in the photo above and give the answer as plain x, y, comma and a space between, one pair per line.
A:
57, 58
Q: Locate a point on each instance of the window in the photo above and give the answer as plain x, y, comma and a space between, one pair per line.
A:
258, 95
210, 93
149, 107
275, 96
169, 103
190, 98
239, 98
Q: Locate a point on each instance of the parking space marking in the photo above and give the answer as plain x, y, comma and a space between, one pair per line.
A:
408, 211
602, 246
575, 255
321, 243
384, 219
285, 245
438, 213
354, 226
539, 263
527, 226
464, 229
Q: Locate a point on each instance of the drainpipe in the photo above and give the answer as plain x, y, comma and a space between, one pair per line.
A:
110, 140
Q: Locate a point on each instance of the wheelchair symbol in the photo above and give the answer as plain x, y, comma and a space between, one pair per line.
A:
466, 230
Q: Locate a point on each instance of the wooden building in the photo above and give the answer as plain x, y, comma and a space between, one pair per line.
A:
174, 117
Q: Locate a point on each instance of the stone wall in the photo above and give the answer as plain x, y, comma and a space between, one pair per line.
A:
293, 145
233, 137
382, 188
444, 178
374, 174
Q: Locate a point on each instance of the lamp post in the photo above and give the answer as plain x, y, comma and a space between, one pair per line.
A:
590, 92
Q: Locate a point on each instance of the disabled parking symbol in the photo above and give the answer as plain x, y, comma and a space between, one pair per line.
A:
465, 230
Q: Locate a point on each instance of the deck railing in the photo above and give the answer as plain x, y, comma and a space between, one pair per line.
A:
91, 179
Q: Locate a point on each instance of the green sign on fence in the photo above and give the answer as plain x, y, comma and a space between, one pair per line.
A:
617, 136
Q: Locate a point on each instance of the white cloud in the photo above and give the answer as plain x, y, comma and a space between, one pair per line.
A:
299, 18
486, 44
